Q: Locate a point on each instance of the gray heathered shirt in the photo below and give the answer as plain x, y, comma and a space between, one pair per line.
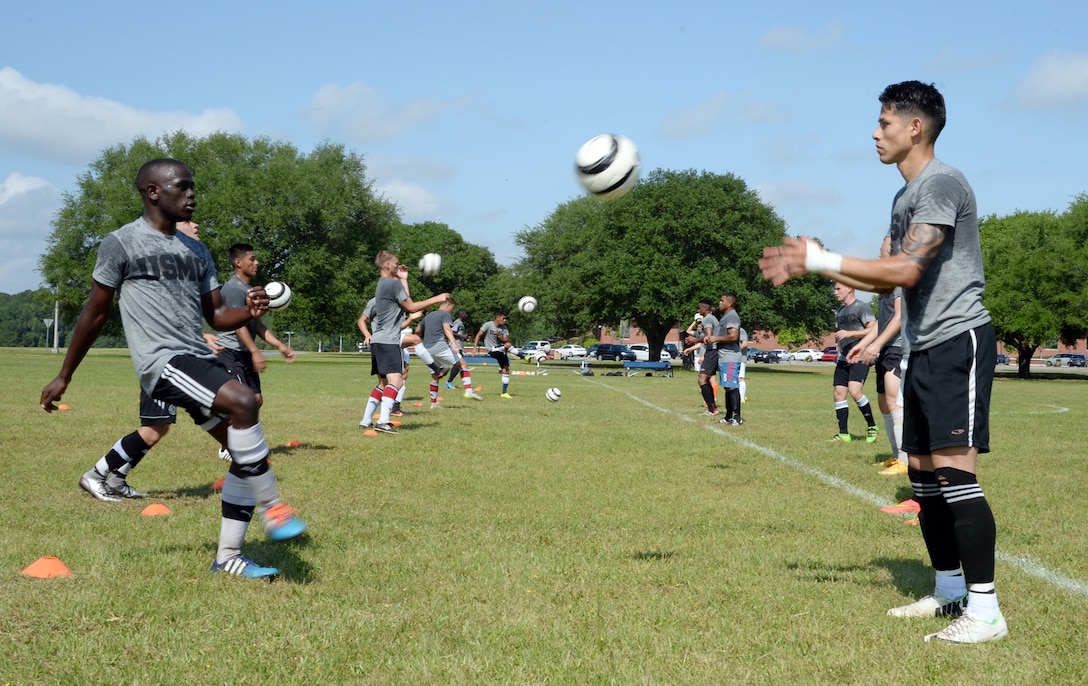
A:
160, 280
729, 352
433, 325
388, 315
852, 317
233, 294
491, 335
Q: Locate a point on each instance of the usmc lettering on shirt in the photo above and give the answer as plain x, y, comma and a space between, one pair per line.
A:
167, 267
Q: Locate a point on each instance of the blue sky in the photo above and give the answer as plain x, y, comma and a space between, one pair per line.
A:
470, 113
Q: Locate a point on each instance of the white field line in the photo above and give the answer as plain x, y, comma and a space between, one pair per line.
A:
1025, 564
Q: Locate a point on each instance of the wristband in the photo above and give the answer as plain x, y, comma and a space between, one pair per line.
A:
819, 260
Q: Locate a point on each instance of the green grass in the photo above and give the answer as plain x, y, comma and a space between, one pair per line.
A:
612, 537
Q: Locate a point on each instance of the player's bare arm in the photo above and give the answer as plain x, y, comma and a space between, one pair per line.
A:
88, 327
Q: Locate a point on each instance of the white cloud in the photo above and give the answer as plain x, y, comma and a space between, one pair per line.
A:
360, 114
415, 203
1055, 81
27, 205
803, 41
54, 122
723, 108
796, 194
950, 59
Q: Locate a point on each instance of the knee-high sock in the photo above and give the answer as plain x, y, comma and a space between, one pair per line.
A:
237, 511
935, 520
372, 402
842, 414
866, 410
505, 381
434, 392
975, 529
897, 419
401, 391
125, 454
466, 379
708, 396
389, 396
743, 390
889, 428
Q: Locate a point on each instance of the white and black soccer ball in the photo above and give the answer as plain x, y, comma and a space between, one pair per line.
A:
608, 166
553, 394
430, 263
279, 295
527, 304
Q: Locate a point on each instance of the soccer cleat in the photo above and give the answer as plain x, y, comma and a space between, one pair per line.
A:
870, 434
225, 455
841, 438
731, 421
888, 462
934, 605
385, 428
712, 413
245, 568
449, 384
280, 522
118, 486
363, 426
507, 396
95, 484
436, 406
970, 629
473, 395
895, 470
908, 506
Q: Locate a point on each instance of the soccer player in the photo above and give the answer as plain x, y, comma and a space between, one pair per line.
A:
730, 357
703, 334
950, 368
852, 322
441, 343
391, 302
238, 348
497, 341
461, 367
169, 281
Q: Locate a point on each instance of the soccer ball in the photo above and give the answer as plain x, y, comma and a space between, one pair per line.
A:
527, 304
279, 295
607, 166
553, 394
430, 263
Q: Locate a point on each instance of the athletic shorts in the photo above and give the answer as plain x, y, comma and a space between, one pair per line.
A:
192, 383
240, 363
729, 374
154, 412
386, 359
846, 372
443, 356
888, 360
946, 393
709, 365
500, 356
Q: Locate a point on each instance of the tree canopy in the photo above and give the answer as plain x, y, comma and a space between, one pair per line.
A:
651, 256
313, 219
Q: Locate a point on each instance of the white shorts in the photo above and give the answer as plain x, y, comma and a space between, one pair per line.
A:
443, 355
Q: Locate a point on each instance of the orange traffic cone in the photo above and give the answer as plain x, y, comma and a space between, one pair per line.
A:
47, 568
155, 510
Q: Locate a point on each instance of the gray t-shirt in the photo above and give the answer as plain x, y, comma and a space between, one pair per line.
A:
387, 315
948, 299
459, 331
709, 327
852, 317
729, 352
159, 279
885, 312
492, 333
433, 325
233, 294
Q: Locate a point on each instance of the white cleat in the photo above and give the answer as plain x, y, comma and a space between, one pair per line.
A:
935, 605
970, 629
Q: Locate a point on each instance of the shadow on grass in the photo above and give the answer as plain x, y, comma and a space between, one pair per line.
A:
910, 576
653, 555
284, 556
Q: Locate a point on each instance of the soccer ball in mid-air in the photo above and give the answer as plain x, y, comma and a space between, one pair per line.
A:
527, 304
279, 295
608, 166
553, 394
430, 263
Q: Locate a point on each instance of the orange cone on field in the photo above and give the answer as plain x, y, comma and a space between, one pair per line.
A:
154, 510
292, 444
370, 432
47, 568
218, 485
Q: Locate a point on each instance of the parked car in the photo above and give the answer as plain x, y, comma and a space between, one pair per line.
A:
783, 355
674, 351
537, 345
591, 351
642, 352
569, 351
1003, 359
768, 356
806, 355
614, 351
831, 353
751, 352
1067, 360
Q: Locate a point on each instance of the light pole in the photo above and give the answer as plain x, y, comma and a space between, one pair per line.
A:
48, 323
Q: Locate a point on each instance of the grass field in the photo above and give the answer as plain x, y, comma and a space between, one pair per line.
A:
613, 537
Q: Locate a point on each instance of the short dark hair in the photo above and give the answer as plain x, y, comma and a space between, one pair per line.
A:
237, 250
706, 302
917, 99
461, 314
499, 313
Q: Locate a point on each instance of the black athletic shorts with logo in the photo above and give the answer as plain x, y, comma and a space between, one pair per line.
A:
946, 393
154, 412
888, 361
192, 383
240, 363
846, 372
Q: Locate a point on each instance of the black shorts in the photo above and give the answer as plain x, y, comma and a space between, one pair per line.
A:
846, 373
888, 361
192, 383
946, 393
386, 359
501, 357
709, 365
154, 412
240, 363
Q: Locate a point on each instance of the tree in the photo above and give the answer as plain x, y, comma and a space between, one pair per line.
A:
21, 316
1036, 283
651, 256
313, 220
